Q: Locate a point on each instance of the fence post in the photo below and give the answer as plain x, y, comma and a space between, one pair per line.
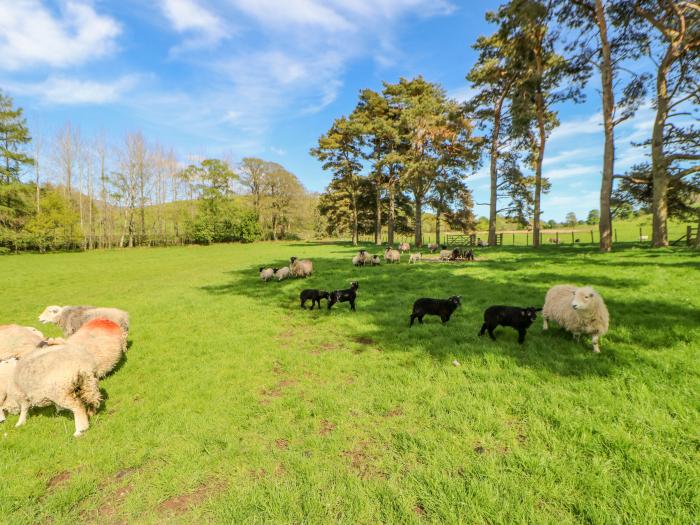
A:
527, 238
592, 241
640, 233
557, 237
572, 237
514, 239
688, 235
615, 234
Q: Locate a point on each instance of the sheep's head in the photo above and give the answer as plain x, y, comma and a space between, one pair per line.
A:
275, 270
324, 295
292, 259
261, 270
530, 312
354, 285
583, 298
50, 314
456, 300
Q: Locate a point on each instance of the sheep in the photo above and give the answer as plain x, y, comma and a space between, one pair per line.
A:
643, 238
361, 258
445, 254
577, 310
415, 257
71, 318
432, 247
469, 255
375, 260
442, 307
513, 316
63, 375
9, 395
456, 254
300, 268
266, 274
282, 273
404, 247
16, 341
391, 255
103, 340
344, 296
314, 296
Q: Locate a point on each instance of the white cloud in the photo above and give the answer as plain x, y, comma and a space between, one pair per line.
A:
587, 126
32, 34
568, 155
571, 170
189, 16
71, 91
305, 13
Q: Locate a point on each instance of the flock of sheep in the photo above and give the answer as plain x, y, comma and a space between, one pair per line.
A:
581, 311
39, 371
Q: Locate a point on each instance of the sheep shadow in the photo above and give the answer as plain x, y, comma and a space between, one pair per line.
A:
386, 294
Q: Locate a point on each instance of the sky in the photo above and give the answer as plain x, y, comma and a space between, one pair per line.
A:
266, 78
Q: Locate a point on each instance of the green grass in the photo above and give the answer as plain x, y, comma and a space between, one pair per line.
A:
236, 406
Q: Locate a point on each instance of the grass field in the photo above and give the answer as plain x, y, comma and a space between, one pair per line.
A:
236, 406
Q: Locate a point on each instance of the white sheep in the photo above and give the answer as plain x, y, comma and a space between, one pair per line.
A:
282, 273
361, 258
415, 257
266, 274
375, 260
445, 255
71, 318
577, 310
301, 268
16, 341
404, 247
63, 375
9, 395
391, 255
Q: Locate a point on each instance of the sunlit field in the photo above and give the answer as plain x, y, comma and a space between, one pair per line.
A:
234, 405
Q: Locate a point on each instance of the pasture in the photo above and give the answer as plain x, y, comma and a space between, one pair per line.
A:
236, 406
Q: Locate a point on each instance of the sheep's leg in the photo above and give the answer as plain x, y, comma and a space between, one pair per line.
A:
493, 337
420, 319
445, 318
521, 336
545, 323
352, 304
81, 419
303, 303
413, 318
2, 415
596, 347
483, 330
23, 411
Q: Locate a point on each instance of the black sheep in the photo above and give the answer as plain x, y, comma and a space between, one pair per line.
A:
344, 296
441, 307
513, 316
314, 296
469, 255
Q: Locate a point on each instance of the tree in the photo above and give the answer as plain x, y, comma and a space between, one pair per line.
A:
253, 173
616, 45
593, 217
14, 136
494, 80
282, 189
545, 78
571, 219
670, 35
340, 150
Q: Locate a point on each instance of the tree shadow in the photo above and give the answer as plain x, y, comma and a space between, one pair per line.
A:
387, 292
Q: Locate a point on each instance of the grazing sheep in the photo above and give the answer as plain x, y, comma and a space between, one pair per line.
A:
513, 316
469, 255
554, 241
391, 255
445, 254
441, 307
103, 340
456, 254
314, 296
432, 247
63, 375
481, 243
9, 395
375, 260
404, 247
415, 257
577, 310
344, 296
300, 268
16, 341
266, 273
361, 258
282, 273
71, 318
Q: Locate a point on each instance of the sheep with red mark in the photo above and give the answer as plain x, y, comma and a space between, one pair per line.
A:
71, 318
104, 340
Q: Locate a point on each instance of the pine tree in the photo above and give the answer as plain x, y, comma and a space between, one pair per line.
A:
14, 135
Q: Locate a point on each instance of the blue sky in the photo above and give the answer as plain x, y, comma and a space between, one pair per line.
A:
265, 77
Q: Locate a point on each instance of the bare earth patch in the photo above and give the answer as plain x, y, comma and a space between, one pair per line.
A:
282, 444
275, 391
181, 504
364, 340
362, 461
59, 479
326, 427
394, 412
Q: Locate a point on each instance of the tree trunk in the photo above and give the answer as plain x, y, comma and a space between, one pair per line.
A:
659, 172
437, 228
542, 135
378, 215
418, 227
392, 215
493, 201
606, 187
354, 220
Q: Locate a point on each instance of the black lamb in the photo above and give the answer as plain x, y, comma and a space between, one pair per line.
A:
513, 316
314, 296
469, 255
344, 296
441, 307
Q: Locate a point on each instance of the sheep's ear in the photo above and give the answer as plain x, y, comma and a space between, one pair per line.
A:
522, 312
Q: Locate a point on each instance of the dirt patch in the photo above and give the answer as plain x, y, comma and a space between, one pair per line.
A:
325, 347
479, 449
259, 473
275, 391
123, 473
59, 479
363, 340
326, 427
394, 412
181, 504
286, 334
419, 510
107, 510
282, 444
362, 461
280, 470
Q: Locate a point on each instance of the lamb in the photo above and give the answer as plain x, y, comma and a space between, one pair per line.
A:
445, 254
469, 255
282, 273
16, 341
314, 296
266, 274
456, 254
63, 375
415, 257
391, 255
375, 260
103, 340
441, 307
300, 268
361, 258
344, 296
71, 318
577, 310
513, 316
404, 247
432, 247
